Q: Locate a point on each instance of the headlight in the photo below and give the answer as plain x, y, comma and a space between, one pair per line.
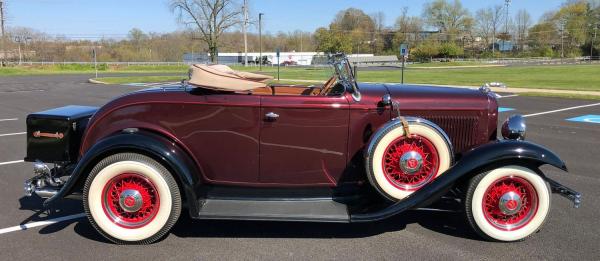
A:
514, 128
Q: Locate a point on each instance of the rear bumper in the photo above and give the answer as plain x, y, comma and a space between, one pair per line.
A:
566, 192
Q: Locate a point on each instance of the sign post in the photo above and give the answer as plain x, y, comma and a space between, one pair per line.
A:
404, 54
278, 64
95, 62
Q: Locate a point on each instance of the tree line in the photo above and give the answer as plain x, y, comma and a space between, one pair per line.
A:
445, 29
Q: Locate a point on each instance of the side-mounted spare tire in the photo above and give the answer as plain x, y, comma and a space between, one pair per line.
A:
399, 163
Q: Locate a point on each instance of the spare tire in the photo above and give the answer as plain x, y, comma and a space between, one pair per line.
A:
398, 164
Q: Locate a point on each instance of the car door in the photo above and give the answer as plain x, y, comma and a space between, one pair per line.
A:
222, 131
303, 139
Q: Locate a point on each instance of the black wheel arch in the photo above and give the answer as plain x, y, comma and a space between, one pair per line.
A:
499, 153
145, 142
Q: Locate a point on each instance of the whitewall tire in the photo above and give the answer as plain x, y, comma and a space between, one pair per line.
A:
507, 204
131, 199
398, 165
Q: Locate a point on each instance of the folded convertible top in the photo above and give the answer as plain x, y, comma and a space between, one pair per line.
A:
221, 77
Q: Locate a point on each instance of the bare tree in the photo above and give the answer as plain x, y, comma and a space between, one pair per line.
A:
523, 23
484, 25
210, 17
489, 21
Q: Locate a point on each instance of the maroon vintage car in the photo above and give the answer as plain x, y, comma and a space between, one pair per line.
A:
226, 145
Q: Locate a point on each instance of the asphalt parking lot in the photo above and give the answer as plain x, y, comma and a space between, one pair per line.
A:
28, 233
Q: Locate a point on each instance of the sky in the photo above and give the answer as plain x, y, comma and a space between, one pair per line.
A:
93, 18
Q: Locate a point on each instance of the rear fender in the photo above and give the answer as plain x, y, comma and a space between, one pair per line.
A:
157, 147
505, 152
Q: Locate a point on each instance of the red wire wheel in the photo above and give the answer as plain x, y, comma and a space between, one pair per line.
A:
410, 162
130, 200
510, 203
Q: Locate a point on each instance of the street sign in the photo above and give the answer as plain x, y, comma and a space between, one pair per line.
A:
404, 49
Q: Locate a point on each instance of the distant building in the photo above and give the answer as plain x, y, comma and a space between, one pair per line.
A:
299, 58
504, 46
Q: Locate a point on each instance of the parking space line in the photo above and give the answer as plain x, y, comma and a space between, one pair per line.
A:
13, 134
559, 110
11, 162
13, 119
40, 223
506, 96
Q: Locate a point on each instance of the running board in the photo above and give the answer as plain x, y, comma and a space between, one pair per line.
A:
315, 210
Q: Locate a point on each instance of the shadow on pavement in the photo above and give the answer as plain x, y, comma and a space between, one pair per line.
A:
452, 224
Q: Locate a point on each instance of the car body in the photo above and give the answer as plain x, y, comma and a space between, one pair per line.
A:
341, 152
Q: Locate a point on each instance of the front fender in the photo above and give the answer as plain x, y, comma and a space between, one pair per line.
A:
507, 152
160, 148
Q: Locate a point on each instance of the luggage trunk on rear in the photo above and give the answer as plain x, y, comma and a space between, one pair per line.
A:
54, 136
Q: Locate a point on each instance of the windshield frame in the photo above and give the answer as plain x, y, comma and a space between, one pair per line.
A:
345, 74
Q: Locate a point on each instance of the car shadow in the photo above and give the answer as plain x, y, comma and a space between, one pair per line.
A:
448, 223
453, 224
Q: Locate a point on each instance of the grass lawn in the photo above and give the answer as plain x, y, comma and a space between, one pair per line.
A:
571, 77
574, 77
88, 69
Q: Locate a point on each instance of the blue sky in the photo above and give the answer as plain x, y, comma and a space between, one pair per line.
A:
75, 18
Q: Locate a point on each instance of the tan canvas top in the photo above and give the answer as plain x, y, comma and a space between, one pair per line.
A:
221, 77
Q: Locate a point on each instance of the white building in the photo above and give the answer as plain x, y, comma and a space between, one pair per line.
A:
299, 58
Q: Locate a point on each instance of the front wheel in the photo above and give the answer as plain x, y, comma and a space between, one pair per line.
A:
131, 199
507, 204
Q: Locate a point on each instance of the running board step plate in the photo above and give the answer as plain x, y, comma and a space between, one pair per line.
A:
321, 210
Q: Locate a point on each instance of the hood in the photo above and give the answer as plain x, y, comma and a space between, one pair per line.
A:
439, 98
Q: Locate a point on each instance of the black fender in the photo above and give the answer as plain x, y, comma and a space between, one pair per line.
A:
163, 150
505, 152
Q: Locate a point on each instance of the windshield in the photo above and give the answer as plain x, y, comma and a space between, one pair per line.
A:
344, 73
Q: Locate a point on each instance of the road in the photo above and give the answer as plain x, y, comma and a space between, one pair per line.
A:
422, 235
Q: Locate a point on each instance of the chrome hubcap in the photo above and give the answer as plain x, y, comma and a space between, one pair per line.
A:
411, 162
131, 200
510, 203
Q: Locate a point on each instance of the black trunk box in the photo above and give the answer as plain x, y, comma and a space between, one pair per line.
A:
55, 135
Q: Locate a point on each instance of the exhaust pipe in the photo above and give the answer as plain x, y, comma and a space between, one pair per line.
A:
43, 184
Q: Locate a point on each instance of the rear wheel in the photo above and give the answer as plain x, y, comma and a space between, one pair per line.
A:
400, 165
507, 204
131, 199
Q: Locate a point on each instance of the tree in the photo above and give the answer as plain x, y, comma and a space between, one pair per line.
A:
210, 17
523, 23
449, 17
407, 28
488, 23
332, 42
427, 49
357, 25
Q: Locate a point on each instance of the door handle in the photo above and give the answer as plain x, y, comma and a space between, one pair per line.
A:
271, 116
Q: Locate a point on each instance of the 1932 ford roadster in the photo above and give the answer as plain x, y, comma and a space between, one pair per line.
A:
226, 145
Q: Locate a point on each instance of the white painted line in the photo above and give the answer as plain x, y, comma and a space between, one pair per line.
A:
559, 110
11, 162
506, 96
13, 134
40, 223
13, 119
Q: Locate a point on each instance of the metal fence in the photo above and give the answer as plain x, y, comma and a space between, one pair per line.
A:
371, 62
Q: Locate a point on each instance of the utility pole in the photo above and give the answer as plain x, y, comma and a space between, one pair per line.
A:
562, 42
592, 45
245, 31
2, 19
260, 59
507, 4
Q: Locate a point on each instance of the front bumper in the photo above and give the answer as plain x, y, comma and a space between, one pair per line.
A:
566, 192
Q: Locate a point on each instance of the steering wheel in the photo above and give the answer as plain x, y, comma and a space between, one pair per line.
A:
327, 86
